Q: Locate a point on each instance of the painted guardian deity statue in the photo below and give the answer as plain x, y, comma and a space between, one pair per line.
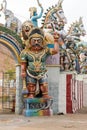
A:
33, 62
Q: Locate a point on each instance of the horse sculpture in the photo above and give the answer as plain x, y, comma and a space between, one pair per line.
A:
70, 54
77, 29
54, 17
54, 20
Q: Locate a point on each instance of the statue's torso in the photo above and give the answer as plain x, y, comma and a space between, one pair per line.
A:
36, 62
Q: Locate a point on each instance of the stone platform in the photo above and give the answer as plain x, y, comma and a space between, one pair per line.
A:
37, 107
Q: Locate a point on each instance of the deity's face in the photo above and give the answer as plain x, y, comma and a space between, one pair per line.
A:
33, 11
26, 26
36, 43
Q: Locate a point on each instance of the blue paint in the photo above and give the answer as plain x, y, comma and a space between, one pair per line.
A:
50, 45
35, 17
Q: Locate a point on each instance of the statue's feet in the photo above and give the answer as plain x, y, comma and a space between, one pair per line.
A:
47, 96
30, 96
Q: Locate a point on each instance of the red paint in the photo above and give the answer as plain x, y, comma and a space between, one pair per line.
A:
68, 94
82, 93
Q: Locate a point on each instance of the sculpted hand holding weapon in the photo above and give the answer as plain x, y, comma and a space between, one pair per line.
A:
33, 62
33, 14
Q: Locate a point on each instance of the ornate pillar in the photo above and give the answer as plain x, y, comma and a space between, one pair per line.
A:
19, 86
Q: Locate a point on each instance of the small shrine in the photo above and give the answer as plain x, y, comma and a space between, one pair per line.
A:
42, 54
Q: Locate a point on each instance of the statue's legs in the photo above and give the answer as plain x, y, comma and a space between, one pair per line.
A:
43, 86
31, 86
44, 90
31, 89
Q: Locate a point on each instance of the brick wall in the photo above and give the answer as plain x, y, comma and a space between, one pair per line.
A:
6, 60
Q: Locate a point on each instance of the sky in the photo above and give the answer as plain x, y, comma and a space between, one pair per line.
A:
73, 9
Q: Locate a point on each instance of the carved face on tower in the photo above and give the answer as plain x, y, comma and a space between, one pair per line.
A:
26, 27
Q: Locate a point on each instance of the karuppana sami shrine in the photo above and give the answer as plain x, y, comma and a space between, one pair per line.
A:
50, 69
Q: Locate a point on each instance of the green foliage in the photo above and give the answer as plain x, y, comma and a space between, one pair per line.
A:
10, 32
10, 74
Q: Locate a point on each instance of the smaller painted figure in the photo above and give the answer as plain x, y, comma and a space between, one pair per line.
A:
33, 62
34, 16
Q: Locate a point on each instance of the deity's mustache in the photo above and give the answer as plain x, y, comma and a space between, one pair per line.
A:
38, 45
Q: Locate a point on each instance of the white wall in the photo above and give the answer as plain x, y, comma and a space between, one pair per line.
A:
62, 93
85, 90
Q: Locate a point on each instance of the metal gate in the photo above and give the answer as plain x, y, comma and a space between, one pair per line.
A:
8, 92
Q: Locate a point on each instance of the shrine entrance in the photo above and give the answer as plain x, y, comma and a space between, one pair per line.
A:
13, 43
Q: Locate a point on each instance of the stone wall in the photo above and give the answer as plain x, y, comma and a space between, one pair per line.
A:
53, 81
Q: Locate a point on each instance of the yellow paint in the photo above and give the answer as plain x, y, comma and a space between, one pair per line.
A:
4, 42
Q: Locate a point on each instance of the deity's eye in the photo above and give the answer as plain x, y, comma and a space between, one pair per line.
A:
36, 40
39, 40
81, 26
60, 12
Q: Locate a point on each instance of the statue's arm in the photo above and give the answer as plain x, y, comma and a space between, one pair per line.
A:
39, 15
23, 65
55, 50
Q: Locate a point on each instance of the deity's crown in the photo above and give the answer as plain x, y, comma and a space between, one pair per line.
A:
33, 9
36, 33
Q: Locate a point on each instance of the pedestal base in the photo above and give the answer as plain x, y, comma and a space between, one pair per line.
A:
37, 107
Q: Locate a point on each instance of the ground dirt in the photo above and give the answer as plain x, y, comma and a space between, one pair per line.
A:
55, 122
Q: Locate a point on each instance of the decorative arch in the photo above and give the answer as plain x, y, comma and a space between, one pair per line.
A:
10, 44
13, 42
